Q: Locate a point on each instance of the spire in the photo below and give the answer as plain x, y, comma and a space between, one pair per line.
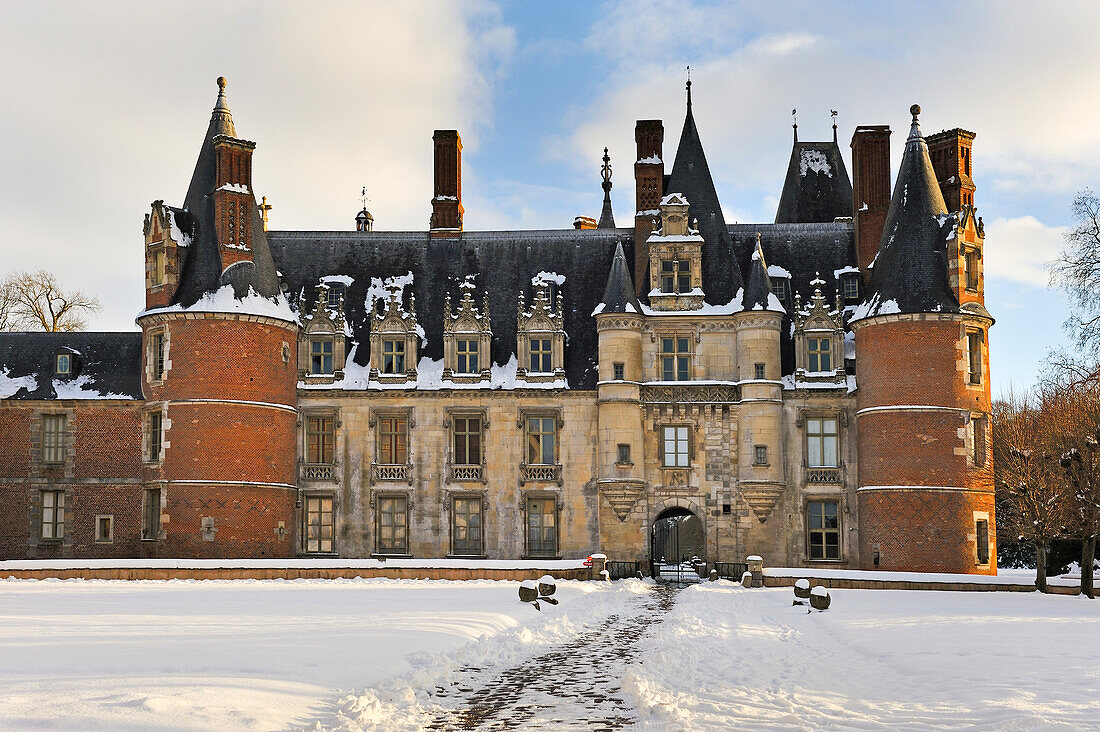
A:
794, 117
689, 86
817, 188
607, 219
910, 271
758, 291
691, 178
618, 295
221, 112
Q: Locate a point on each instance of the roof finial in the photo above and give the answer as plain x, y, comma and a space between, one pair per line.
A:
833, 113
607, 219
222, 103
689, 85
794, 116
605, 170
914, 131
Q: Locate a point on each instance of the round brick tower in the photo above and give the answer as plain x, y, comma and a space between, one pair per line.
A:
220, 367
926, 488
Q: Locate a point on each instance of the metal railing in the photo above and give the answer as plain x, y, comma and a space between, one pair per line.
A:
623, 570
731, 570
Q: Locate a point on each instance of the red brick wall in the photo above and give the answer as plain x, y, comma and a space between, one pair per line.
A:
107, 441
649, 134
870, 186
245, 519
447, 197
15, 442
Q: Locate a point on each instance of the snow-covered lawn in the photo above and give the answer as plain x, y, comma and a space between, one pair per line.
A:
225, 655
881, 659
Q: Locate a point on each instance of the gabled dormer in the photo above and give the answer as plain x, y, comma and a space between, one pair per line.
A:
675, 259
466, 338
394, 340
965, 256
166, 230
540, 338
322, 341
818, 338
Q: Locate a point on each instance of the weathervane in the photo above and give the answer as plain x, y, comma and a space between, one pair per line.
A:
363, 197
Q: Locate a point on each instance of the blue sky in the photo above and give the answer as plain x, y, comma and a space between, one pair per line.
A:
109, 103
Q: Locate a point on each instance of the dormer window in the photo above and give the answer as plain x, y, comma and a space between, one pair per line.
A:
851, 288
63, 365
466, 350
320, 356
820, 356
158, 272
540, 335
970, 267
675, 276
393, 356
321, 342
466, 339
336, 292
779, 287
541, 352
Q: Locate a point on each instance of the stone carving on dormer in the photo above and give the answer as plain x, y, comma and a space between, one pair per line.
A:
675, 259
322, 340
819, 338
394, 339
466, 338
540, 338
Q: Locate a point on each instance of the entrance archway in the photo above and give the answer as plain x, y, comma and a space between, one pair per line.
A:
677, 546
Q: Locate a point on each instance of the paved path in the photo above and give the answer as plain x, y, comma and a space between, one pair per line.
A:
576, 685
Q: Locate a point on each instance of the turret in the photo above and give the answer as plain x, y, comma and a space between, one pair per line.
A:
925, 470
220, 349
816, 189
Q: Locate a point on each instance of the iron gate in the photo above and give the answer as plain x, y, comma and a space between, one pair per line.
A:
677, 549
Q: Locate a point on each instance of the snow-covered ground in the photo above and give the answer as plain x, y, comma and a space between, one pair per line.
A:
226, 655
878, 659
374, 654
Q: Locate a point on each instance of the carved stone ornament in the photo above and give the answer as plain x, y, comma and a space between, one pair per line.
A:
622, 497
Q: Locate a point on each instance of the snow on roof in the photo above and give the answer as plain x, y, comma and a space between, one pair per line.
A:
545, 278
223, 301
838, 273
78, 389
814, 160
11, 384
774, 270
345, 280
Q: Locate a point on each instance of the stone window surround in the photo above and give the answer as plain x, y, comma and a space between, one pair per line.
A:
39, 511
160, 531
973, 422
469, 323
449, 496
304, 415
393, 323
840, 415
757, 455
392, 412
448, 423
39, 467
322, 324
153, 250
969, 331
109, 539
542, 322
147, 436
658, 335
841, 512
559, 506
375, 505
661, 427
982, 516
150, 354
333, 496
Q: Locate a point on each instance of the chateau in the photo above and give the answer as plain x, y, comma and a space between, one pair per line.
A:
814, 390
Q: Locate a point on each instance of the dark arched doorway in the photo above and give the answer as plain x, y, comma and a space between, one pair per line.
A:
677, 546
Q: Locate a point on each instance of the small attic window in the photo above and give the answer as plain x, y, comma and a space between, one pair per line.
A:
336, 291
63, 365
851, 287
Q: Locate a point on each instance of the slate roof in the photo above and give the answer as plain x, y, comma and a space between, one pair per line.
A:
201, 271
691, 177
758, 291
910, 270
103, 364
817, 187
618, 295
502, 263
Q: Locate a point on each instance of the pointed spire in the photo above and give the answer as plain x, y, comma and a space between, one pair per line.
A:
910, 273
817, 188
691, 177
794, 116
758, 291
221, 113
607, 218
618, 295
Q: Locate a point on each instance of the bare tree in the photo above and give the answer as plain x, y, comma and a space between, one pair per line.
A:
36, 301
1077, 272
8, 321
1031, 489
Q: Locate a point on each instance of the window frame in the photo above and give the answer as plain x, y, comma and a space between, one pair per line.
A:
394, 436
618, 371
824, 531
308, 525
533, 437
150, 514
467, 349
687, 440
65, 358
814, 355
157, 356
158, 275
971, 275
760, 371
680, 361
622, 454
54, 439
780, 287
322, 420
322, 340
393, 549
467, 499
822, 436
678, 273
542, 547
850, 287
109, 538
544, 354
975, 359
393, 361
56, 506
760, 456
465, 418
983, 557
154, 430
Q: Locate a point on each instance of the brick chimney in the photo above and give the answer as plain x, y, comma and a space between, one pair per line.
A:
649, 177
870, 189
447, 199
950, 154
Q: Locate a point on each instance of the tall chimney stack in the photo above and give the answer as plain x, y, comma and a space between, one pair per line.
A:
447, 199
870, 189
649, 182
950, 154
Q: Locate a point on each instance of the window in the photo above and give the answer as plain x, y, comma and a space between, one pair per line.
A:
820, 354
467, 350
158, 267
675, 358
981, 529
466, 525
851, 288
727, 509
617, 371
675, 447
157, 356
467, 440
393, 356
760, 455
393, 440
286, 352
675, 276
53, 514
335, 294
64, 365
824, 529
758, 371
393, 525
155, 422
541, 438
320, 440
53, 439
540, 356
104, 529
320, 527
320, 356
779, 287
821, 443
542, 527
150, 514
974, 349
977, 447
624, 454
970, 268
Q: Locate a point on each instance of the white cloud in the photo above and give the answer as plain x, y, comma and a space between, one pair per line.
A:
1019, 249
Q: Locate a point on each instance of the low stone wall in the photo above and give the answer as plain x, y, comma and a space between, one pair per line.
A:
292, 573
837, 583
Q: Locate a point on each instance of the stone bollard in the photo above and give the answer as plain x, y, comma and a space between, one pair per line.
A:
756, 568
746, 579
605, 576
819, 598
714, 575
528, 591
597, 564
547, 585
802, 589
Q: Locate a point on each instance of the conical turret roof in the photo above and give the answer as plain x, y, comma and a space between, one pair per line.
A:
758, 291
691, 177
618, 295
909, 274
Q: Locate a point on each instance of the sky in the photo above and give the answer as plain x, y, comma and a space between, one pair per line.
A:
104, 107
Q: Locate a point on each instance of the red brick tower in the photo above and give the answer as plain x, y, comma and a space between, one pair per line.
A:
870, 189
220, 362
649, 175
925, 472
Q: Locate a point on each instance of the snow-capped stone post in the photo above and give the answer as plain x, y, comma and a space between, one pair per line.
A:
802, 589
756, 569
597, 563
819, 598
